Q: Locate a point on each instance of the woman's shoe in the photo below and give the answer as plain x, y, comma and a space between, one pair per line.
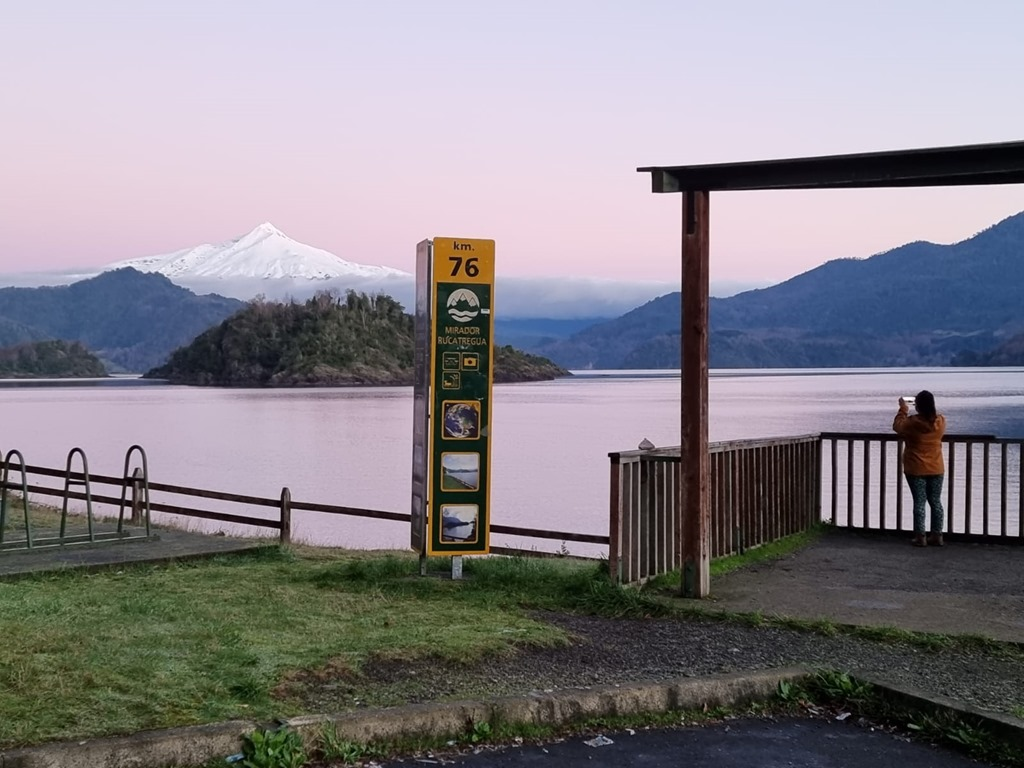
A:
919, 540
935, 540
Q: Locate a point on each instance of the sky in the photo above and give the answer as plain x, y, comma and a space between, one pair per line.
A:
131, 128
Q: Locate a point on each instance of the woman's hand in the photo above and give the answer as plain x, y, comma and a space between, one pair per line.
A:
904, 408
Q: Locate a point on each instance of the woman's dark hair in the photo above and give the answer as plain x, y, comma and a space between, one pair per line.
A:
925, 404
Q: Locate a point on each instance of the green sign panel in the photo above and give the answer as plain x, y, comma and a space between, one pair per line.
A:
461, 372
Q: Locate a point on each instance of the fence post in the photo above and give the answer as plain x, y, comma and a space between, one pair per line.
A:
136, 518
615, 520
286, 516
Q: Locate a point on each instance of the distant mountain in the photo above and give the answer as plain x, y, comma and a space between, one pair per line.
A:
13, 332
267, 263
265, 253
533, 332
919, 304
132, 321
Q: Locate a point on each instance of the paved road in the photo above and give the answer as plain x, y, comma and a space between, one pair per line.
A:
785, 743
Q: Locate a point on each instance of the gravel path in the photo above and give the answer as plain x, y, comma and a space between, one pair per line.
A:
609, 651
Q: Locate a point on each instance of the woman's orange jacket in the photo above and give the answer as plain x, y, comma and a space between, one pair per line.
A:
922, 443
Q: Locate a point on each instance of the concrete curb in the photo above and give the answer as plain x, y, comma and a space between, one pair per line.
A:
441, 720
193, 745
1004, 727
196, 745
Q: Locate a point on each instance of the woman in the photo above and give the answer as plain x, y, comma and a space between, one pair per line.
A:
922, 463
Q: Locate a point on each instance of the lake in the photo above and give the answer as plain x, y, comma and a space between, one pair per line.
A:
550, 442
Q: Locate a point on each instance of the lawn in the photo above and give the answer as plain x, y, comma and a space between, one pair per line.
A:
87, 654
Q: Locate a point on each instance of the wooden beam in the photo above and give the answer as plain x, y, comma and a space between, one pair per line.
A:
977, 164
694, 500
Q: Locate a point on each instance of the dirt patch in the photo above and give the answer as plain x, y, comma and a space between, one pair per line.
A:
614, 651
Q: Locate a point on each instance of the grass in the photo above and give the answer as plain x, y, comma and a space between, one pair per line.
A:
45, 519
158, 646
40, 517
91, 654
773, 550
766, 552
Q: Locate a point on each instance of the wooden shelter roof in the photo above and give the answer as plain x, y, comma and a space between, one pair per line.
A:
972, 164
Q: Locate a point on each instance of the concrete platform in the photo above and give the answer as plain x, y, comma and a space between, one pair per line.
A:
879, 580
164, 546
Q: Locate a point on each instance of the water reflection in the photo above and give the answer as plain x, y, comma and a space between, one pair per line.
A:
549, 456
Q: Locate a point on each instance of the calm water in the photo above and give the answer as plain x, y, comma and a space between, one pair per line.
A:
549, 450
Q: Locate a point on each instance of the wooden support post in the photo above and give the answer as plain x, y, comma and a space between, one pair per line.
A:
286, 516
694, 502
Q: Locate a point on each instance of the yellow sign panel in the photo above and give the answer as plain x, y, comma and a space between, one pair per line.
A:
459, 260
461, 372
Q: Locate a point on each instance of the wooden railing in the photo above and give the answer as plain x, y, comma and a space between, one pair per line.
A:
256, 512
760, 491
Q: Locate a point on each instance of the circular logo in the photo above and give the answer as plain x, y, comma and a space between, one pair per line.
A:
463, 305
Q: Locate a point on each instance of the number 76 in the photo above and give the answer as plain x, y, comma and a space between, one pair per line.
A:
468, 265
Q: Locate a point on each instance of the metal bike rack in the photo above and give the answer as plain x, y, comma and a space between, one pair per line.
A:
4, 477
68, 482
139, 479
139, 502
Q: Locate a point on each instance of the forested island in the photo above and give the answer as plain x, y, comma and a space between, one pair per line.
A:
328, 340
51, 359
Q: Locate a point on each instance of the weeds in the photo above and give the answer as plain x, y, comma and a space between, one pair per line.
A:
840, 687
334, 748
840, 690
789, 692
278, 748
480, 732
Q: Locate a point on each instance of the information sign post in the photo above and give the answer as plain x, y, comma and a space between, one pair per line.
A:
455, 433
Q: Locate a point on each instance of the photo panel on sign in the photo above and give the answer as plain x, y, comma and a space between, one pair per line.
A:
459, 523
460, 419
460, 471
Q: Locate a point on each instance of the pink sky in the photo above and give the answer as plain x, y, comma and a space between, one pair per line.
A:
134, 128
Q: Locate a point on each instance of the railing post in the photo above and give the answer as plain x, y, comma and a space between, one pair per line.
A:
136, 518
615, 520
286, 517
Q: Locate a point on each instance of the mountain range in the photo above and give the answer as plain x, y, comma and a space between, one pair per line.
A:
131, 321
265, 253
918, 304
266, 262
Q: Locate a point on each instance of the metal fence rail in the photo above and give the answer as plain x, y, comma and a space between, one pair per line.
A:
133, 488
866, 490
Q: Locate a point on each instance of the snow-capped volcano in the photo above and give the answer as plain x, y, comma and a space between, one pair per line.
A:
265, 253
